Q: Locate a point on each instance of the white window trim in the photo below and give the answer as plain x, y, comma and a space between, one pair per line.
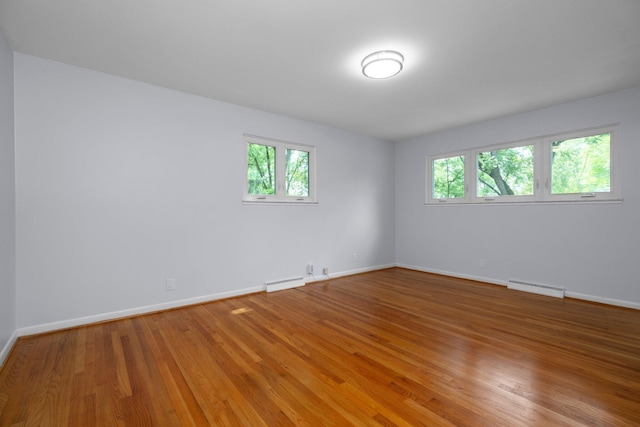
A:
473, 174
541, 174
430, 183
280, 197
614, 192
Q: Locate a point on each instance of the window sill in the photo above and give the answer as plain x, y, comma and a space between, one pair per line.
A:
279, 202
532, 202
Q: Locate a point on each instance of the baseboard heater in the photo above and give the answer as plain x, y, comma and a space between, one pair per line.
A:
550, 291
279, 285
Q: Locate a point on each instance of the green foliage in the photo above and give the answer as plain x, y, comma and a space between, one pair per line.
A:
261, 169
261, 178
448, 177
505, 172
581, 165
297, 173
577, 166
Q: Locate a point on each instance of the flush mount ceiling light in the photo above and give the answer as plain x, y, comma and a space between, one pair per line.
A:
382, 64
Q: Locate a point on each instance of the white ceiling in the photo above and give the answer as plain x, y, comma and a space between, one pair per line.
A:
466, 60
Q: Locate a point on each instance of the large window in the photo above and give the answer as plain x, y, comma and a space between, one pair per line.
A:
576, 166
279, 171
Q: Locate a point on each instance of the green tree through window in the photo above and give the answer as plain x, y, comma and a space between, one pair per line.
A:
581, 165
574, 166
261, 169
506, 172
448, 177
279, 171
297, 176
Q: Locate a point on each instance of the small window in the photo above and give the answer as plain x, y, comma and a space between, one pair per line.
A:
297, 177
581, 165
279, 171
448, 179
505, 172
261, 169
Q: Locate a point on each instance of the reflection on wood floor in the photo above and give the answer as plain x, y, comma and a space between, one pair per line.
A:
391, 347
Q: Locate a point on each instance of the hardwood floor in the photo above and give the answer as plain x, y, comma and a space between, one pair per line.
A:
393, 347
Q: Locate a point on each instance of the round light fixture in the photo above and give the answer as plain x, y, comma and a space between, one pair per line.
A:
382, 64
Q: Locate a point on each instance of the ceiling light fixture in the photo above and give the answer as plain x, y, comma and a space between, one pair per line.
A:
382, 64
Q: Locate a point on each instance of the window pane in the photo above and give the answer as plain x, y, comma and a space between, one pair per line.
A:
448, 178
297, 176
261, 170
506, 172
581, 165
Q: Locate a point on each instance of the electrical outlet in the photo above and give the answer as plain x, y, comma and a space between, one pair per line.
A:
325, 271
310, 269
170, 284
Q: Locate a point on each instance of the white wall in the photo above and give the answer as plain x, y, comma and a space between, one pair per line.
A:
7, 201
120, 184
592, 250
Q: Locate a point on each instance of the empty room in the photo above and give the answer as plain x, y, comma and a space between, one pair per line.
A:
279, 213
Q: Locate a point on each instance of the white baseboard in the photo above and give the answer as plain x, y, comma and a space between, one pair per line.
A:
80, 321
603, 300
70, 323
457, 275
319, 278
7, 347
567, 294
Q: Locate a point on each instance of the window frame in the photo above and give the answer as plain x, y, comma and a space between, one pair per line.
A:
542, 147
505, 198
614, 183
431, 181
280, 195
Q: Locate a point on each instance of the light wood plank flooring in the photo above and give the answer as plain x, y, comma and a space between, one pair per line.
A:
393, 348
